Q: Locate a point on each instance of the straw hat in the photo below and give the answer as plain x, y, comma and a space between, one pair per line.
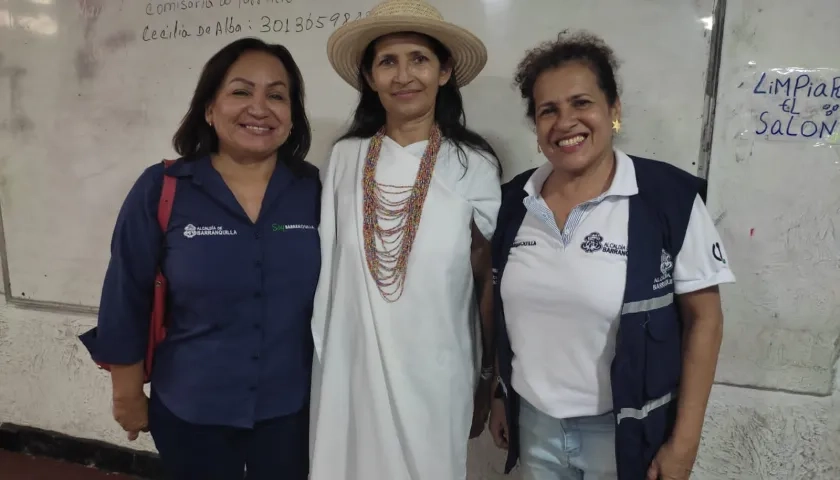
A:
347, 44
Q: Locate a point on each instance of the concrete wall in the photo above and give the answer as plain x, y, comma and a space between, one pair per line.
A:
48, 381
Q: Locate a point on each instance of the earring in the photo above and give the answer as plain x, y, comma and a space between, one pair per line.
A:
539, 150
616, 125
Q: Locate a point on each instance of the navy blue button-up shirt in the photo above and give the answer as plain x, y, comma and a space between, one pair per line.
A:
238, 347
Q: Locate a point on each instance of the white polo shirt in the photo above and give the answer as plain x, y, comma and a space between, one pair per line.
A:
563, 289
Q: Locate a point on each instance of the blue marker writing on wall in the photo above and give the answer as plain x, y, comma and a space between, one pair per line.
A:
782, 86
796, 104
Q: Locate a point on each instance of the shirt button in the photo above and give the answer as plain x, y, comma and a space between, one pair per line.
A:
257, 326
257, 263
255, 357
257, 294
252, 388
257, 234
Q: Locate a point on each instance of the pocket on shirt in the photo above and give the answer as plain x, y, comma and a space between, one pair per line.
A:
294, 259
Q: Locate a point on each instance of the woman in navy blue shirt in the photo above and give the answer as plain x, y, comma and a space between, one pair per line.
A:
230, 383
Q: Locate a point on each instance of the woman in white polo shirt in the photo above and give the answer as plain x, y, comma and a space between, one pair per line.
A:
607, 303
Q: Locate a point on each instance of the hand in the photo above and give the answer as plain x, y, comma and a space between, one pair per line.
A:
132, 413
498, 423
672, 462
481, 409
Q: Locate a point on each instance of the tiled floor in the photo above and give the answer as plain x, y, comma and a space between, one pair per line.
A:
14, 466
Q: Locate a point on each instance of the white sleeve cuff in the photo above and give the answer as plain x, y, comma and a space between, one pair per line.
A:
719, 278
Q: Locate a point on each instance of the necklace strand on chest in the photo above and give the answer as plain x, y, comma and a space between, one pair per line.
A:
392, 215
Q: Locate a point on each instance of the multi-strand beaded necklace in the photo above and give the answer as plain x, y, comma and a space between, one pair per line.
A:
400, 208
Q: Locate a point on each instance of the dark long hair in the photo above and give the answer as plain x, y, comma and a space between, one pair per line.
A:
195, 138
369, 116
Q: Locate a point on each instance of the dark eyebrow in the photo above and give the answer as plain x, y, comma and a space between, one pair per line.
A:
411, 53
252, 84
573, 97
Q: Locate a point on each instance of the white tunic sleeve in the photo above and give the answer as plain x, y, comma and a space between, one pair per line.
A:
481, 186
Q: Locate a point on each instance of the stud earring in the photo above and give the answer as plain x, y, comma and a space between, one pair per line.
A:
616, 125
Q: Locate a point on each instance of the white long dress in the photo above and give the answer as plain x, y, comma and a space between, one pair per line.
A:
393, 383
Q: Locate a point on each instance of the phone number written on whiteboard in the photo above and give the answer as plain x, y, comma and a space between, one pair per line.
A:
265, 24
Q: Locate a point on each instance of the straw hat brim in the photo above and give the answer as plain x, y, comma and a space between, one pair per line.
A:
347, 44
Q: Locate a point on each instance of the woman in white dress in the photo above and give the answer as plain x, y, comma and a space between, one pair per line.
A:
409, 202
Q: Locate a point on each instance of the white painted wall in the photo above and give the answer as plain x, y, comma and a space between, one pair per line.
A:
776, 203
48, 381
115, 101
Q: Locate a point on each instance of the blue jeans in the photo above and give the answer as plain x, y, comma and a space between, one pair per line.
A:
581, 448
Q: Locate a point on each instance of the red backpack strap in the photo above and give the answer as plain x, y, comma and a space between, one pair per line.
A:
167, 195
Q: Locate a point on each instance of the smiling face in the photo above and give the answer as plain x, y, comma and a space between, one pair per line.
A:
573, 118
406, 74
251, 111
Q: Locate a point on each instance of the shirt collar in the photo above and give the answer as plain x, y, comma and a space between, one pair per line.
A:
623, 183
202, 174
201, 169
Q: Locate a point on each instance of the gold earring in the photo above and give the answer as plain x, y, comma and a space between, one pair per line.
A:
616, 125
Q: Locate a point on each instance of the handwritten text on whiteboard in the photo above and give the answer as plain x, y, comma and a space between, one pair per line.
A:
795, 104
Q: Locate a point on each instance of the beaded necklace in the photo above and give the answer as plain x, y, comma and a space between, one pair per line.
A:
393, 203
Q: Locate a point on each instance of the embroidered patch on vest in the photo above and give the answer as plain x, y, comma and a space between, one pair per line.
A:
666, 266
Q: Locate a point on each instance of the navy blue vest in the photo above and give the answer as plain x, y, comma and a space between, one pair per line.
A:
647, 365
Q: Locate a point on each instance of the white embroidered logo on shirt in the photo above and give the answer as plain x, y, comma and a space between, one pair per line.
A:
191, 231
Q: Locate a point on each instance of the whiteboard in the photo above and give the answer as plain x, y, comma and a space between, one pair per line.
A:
776, 194
95, 100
